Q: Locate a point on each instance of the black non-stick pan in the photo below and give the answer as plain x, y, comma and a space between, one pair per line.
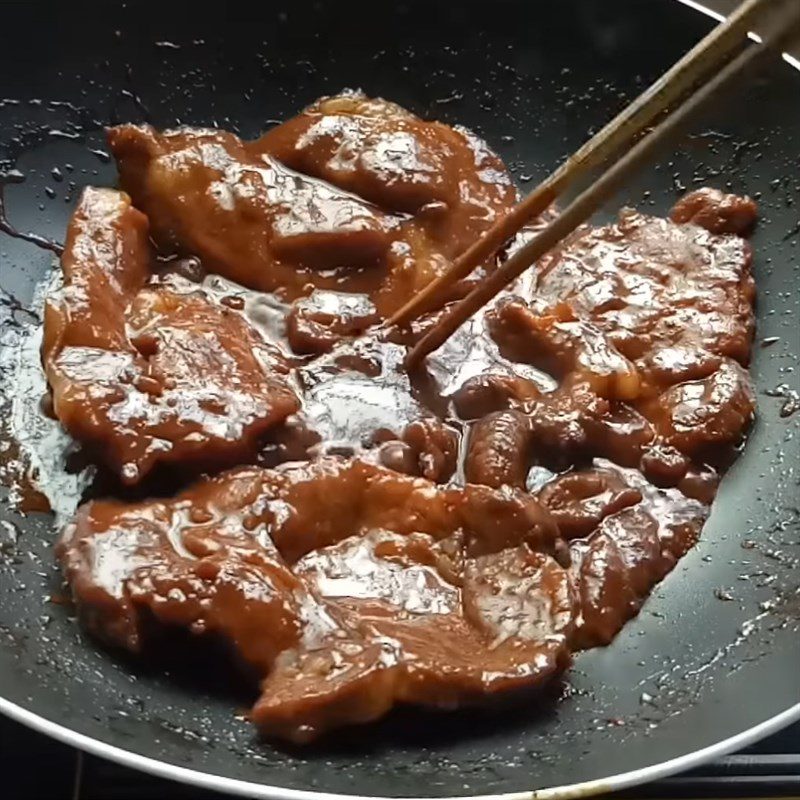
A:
713, 660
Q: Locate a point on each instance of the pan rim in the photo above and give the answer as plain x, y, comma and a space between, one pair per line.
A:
233, 786
789, 58
260, 791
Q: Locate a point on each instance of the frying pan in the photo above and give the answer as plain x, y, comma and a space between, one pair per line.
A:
710, 664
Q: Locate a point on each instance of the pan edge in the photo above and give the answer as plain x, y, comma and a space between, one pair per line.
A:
237, 787
206, 780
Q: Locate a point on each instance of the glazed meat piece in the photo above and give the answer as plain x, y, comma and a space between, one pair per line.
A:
614, 571
626, 536
370, 147
496, 519
716, 211
162, 375
555, 341
332, 499
344, 614
194, 561
246, 216
702, 414
678, 513
436, 448
645, 311
316, 323
618, 565
385, 154
226, 385
200, 391
482, 394
580, 501
444, 645
620, 433
427, 448
106, 261
440, 645
663, 465
250, 217
563, 423
572, 423
664, 293
498, 453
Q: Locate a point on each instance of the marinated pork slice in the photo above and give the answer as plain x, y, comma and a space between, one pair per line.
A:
317, 323
657, 289
106, 261
679, 511
580, 501
556, 341
492, 391
614, 571
331, 498
503, 628
446, 176
195, 561
621, 434
572, 424
416, 574
697, 416
254, 220
248, 217
343, 614
498, 452
563, 424
645, 311
370, 147
716, 211
427, 448
626, 535
160, 374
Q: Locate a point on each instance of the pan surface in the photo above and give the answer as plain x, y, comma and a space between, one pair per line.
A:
712, 660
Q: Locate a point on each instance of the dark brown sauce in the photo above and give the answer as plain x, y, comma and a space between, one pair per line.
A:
38, 465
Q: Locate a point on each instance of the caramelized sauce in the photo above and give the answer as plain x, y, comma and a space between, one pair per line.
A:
435, 538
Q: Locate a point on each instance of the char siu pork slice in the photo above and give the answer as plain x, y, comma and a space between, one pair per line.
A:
347, 587
148, 374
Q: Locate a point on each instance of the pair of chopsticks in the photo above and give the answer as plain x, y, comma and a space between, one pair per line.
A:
699, 75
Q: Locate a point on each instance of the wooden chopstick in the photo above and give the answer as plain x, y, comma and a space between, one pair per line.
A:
714, 49
593, 197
